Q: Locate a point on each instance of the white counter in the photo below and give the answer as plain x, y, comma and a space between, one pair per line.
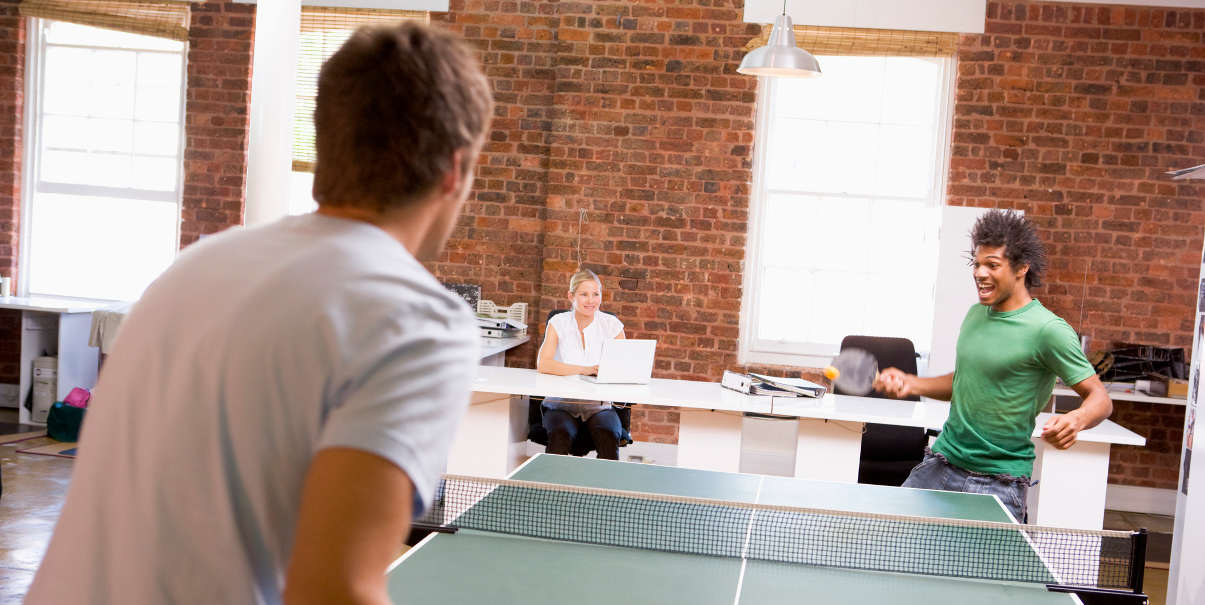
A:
493, 350
1119, 392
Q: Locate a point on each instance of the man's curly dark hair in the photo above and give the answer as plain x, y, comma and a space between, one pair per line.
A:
1019, 238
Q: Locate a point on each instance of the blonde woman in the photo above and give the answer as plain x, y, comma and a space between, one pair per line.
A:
573, 345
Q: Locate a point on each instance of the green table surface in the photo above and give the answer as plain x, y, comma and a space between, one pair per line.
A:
480, 567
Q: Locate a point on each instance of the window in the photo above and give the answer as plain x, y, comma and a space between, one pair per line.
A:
849, 177
102, 208
323, 31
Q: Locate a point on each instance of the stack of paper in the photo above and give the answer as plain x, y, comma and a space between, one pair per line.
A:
493, 327
803, 387
758, 384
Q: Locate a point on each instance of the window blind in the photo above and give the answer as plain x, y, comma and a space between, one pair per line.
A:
850, 41
323, 31
163, 19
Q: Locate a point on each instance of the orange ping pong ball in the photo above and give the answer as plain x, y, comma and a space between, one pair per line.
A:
831, 373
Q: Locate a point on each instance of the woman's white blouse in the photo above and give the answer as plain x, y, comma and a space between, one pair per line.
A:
570, 349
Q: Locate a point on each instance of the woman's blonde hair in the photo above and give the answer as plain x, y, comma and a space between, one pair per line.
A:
581, 276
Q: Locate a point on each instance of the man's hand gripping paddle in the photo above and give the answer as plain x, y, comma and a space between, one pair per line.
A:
853, 371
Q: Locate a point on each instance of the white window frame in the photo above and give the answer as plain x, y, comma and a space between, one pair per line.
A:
35, 49
812, 354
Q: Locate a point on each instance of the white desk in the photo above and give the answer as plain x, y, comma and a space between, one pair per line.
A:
1071, 492
1072, 482
493, 350
57, 326
491, 439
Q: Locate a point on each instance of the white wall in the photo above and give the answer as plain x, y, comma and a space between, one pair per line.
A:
918, 15
955, 292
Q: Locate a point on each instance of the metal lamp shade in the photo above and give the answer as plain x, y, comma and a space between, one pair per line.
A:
780, 57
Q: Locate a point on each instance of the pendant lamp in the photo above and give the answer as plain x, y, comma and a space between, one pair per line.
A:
780, 57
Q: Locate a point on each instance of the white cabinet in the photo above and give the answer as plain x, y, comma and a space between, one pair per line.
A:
59, 327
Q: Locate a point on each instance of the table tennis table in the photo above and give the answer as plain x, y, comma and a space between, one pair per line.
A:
472, 566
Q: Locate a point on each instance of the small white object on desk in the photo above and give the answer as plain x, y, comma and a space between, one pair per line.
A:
517, 311
494, 327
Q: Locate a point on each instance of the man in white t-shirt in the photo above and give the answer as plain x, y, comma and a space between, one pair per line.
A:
281, 401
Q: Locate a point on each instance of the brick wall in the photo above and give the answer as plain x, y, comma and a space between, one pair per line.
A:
1072, 112
499, 240
653, 130
632, 112
1157, 464
216, 117
12, 93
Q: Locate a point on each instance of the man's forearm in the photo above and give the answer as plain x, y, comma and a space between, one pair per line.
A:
1096, 405
934, 387
1095, 408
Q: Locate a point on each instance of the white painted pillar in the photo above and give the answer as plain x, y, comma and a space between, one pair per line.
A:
1185, 582
269, 153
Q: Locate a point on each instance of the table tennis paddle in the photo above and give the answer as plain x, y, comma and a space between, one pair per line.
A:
853, 371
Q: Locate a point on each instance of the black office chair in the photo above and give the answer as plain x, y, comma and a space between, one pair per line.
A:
888, 452
583, 443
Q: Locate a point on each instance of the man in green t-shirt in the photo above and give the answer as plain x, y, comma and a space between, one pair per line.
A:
1010, 349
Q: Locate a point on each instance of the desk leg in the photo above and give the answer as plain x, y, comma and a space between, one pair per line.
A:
1071, 487
491, 438
709, 440
828, 450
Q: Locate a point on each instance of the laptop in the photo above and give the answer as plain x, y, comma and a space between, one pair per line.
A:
625, 361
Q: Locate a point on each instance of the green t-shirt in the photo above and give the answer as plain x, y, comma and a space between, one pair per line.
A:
1004, 373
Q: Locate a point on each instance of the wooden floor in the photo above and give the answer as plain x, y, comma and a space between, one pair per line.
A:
34, 488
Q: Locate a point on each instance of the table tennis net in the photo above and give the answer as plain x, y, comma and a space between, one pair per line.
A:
788, 535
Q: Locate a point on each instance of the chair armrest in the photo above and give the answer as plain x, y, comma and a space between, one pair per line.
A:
624, 411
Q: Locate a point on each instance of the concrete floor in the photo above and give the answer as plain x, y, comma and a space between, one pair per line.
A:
34, 488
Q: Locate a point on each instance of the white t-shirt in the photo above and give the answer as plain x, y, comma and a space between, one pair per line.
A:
256, 349
571, 349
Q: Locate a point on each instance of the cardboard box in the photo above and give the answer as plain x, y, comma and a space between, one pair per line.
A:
1177, 388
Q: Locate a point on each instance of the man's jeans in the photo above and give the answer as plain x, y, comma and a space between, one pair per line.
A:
935, 472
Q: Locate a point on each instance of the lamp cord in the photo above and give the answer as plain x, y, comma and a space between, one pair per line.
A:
1083, 296
581, 218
